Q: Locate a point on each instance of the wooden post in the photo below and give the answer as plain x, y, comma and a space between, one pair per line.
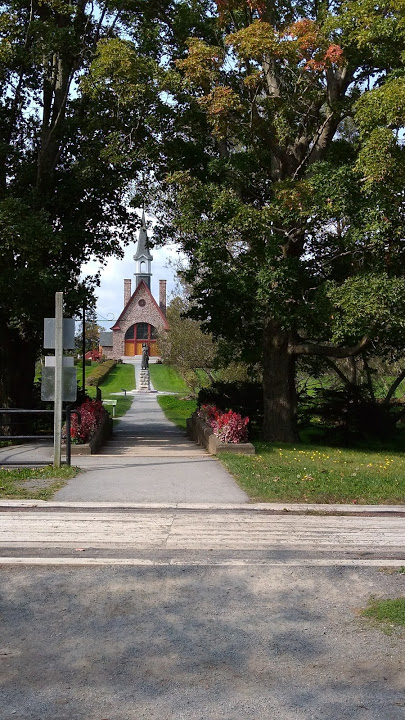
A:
68, 438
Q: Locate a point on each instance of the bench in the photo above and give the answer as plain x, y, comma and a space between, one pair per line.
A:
111, 402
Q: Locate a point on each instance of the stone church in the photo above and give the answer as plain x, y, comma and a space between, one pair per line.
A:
142, 317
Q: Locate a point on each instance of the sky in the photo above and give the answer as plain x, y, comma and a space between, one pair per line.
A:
110, 294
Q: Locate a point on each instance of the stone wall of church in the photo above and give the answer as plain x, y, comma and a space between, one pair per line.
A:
140, 309
108, 352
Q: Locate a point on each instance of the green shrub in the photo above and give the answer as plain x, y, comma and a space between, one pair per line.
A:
348, 414
245, 398
100, 373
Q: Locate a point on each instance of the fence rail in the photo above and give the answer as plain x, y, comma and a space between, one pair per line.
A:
20, 411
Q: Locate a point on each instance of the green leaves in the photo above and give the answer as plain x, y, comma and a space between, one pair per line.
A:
202, 64
382, 106
368, 302
380, 115
70, 142
121, 72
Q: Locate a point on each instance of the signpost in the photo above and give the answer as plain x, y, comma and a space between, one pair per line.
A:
57, 426
59, 375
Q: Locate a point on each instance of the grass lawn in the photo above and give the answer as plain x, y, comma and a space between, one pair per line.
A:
36, 483
177, 409
122, 377
87, 370
389, 613
314, 474
167, 379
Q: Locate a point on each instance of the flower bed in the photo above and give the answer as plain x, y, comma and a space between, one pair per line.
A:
90, 429
219, 431
229, 427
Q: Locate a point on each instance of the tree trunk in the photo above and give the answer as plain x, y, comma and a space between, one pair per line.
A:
279, 393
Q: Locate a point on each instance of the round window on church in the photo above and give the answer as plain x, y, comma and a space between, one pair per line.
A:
142, 303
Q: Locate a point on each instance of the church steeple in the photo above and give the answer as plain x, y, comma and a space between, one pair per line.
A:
143, 258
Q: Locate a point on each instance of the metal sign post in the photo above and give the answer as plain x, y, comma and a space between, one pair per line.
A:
57, 428
84, 349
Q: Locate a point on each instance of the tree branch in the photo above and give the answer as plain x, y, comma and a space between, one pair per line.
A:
329, 350
338, 371
270, 77
369, 378
393, 387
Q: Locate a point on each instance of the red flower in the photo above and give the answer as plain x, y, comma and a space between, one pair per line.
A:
227, 426
84, 426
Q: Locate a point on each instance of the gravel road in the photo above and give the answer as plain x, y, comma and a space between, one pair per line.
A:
192, 642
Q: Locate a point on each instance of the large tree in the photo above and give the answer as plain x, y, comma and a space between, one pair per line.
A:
291, 212
62, 187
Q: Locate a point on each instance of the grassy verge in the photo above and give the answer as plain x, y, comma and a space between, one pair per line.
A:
319, 475
177, 409
87, 370
34, 483
167, 379
122, 377
388, 613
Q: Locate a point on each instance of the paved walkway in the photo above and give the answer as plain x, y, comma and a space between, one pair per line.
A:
149, 459
177, 610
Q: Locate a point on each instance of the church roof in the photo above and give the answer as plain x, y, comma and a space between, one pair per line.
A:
106, 339
143, 286
142, 248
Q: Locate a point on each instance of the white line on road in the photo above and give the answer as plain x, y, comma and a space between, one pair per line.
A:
239, 562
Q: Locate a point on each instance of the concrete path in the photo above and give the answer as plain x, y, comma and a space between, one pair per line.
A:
150, 460
180, 610
27, 455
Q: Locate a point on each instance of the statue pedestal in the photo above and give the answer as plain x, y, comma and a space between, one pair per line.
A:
144, 381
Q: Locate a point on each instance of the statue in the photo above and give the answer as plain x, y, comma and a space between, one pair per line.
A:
145, 357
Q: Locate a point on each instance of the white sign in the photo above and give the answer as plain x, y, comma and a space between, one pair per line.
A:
68, 333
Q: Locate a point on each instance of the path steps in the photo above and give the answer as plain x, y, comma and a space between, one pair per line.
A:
145, 432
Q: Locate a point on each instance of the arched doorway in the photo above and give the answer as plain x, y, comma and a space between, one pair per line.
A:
138, 334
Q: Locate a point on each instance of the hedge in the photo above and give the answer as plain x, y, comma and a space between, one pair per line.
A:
100, 373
